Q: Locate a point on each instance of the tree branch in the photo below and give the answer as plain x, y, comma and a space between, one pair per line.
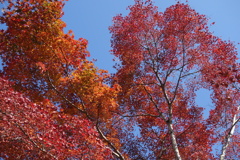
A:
115, 150
30, 139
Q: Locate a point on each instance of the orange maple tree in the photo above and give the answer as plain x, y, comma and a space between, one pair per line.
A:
60, 106
45, 63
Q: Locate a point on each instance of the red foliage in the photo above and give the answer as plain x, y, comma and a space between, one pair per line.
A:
165, 58
29, 130
148, 112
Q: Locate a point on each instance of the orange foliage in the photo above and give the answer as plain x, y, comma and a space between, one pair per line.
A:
147, 110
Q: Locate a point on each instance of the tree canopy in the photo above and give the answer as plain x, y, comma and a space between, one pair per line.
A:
56, 104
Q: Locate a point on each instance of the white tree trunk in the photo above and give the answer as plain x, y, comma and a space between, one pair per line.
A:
229, 135
174, 142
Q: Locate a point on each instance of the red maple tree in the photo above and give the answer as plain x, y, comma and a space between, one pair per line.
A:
165, 58
40, 131
60, 106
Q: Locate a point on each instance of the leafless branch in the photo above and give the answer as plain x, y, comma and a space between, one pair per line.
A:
115, 150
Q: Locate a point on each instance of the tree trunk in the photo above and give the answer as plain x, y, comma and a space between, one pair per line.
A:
229, 135
174, 142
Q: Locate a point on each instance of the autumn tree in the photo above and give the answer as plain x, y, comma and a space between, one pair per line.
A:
55, 104
165, 58
40, 131
46, 63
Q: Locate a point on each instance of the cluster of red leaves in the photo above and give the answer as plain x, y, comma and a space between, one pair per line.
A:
35, 131
165, 58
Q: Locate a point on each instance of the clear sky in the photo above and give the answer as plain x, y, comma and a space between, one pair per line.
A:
90, 19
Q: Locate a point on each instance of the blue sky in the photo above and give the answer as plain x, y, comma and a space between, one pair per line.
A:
90, 19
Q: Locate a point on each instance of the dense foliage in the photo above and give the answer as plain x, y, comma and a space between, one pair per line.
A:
55, 104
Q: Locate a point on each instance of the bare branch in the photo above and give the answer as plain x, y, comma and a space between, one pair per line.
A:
190, 74
141, 115
115, 150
